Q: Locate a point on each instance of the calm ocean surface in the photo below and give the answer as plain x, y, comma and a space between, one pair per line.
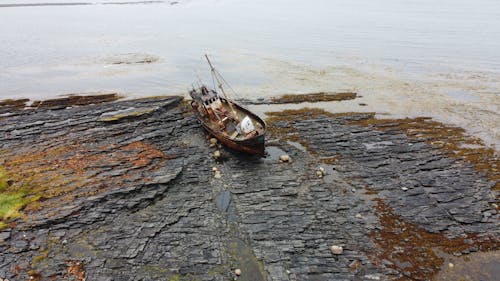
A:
413, 57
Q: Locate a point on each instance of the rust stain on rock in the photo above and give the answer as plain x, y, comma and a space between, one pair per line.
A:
49, 178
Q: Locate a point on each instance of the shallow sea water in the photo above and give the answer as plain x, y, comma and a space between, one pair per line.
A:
405, 58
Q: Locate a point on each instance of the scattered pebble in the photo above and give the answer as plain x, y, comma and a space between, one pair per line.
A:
285, 158
404, 188
450, 265
320, 172
217, 154
237, 272
336, 250
359, 216
213, 141
218, 175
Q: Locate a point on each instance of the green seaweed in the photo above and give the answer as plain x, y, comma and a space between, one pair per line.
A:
3, 180
10, 204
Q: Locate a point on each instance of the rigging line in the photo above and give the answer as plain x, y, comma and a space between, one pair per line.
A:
213, 83
225, 82
198, 76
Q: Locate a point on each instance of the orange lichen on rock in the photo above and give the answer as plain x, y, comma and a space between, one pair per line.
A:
413, 251
47, 178
75, 270
144, 153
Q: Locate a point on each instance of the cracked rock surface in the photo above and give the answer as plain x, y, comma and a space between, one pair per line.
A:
137, 200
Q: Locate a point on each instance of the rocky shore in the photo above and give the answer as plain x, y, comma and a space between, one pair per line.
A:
125, 190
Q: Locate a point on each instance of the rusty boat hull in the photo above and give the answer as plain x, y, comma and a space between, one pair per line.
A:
254, 145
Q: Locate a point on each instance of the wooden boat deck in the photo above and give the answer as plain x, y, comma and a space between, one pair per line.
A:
230, 127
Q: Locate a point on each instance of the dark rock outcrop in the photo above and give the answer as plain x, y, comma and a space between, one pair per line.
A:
138, 200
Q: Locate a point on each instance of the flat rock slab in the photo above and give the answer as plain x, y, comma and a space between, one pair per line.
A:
140, 201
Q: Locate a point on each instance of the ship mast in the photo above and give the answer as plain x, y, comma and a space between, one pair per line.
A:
214, 73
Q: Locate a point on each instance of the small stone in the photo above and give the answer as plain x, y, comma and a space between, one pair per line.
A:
336, 250
213, 141
217, 154
217, 175
404, 188
237, 272
359, 216
450, 265
215, 169
319, 174
285, 158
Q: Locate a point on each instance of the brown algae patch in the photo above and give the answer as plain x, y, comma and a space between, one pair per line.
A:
313, 97
72, 100
415, 252
58, 103
453, 141
36, 179
276, 120
13, 103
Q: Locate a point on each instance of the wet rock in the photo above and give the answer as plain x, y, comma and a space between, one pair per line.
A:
132, 58
144, 205
4, 235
